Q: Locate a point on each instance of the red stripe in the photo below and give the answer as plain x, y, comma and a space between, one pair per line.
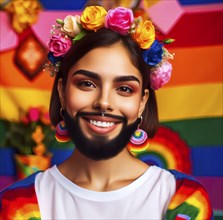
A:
198, 29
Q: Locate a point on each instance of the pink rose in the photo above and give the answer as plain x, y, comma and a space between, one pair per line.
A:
160, 75
34, 114
119, 20
59, 45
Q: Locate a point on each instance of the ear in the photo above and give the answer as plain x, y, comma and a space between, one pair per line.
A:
143, 102
61, 89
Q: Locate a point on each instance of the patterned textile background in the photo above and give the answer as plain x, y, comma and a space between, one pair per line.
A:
190, 105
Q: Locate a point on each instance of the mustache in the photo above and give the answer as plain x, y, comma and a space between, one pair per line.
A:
118, 117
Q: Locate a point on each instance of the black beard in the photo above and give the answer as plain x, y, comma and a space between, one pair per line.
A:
98, 147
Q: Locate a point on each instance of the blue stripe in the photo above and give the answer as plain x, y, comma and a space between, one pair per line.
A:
59, 155
198, 2
8, 166
63, 4
79, 4
7, 162
207, 161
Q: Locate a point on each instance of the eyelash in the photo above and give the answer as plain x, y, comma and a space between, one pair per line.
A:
86, 84
125, 90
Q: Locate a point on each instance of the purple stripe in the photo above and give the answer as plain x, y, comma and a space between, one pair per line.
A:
6, 181
214, 187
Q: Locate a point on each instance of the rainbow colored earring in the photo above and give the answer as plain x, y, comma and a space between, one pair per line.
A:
61, 130
139, 141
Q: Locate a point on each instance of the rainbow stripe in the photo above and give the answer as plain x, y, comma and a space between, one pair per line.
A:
19, 201
191, 200
166, 150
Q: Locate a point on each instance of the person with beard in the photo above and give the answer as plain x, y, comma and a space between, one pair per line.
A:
103, 92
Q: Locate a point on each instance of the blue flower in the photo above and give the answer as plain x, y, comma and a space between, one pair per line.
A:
52, 58
153, 55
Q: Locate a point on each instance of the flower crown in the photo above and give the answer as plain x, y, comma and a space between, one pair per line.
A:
120, 20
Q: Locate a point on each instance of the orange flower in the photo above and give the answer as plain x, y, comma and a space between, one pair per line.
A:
39, 149
93, 17
144, 34
38, 135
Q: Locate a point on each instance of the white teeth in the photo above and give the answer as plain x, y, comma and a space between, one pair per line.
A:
102, 124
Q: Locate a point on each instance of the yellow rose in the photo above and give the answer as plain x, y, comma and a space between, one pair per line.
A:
93, 17
144, 34
24, 13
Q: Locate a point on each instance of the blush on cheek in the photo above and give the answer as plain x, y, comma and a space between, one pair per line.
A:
130, 111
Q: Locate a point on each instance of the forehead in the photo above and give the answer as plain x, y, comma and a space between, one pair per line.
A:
108, 62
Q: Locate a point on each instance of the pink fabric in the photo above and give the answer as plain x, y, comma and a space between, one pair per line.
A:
158, 10
45, 22
8, 38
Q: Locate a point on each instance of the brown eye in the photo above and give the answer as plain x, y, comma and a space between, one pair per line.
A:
86, 84
125, 90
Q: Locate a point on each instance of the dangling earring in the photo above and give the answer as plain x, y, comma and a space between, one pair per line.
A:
61, 130
139, 141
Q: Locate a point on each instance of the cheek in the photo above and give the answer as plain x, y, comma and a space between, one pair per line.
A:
130, 108
76, 100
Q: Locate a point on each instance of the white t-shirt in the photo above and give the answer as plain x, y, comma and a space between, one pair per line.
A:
145, 198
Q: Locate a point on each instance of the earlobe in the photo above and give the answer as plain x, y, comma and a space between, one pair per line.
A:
60, 89
143, 102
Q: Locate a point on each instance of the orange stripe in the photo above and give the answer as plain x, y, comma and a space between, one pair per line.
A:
192, 65
196, 65
11, 76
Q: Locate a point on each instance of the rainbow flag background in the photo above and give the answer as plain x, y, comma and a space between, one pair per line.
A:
190, 106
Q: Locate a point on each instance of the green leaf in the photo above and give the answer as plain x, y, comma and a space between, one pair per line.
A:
79, 36
59, 21
168, 41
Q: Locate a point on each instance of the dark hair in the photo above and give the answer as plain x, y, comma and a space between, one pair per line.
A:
102, 38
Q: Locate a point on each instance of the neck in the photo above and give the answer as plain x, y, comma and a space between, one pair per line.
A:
102, 175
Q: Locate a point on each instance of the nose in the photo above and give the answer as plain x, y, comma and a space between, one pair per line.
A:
103, 102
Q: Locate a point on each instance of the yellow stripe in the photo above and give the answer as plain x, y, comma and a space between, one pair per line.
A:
14, 99
192, 101
199, 201
165, 153
176, 103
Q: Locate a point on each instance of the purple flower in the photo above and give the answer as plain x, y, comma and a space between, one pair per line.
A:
153, 55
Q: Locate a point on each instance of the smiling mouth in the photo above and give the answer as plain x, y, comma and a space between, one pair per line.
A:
102, 124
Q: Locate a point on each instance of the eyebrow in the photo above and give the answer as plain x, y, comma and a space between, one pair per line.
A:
126, 78
87, 73
96, 76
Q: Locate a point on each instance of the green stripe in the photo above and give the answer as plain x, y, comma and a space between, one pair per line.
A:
3, 128
4, 125
199, 132
196, 132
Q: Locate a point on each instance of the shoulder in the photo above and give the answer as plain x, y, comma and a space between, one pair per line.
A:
20, 199
190, 200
